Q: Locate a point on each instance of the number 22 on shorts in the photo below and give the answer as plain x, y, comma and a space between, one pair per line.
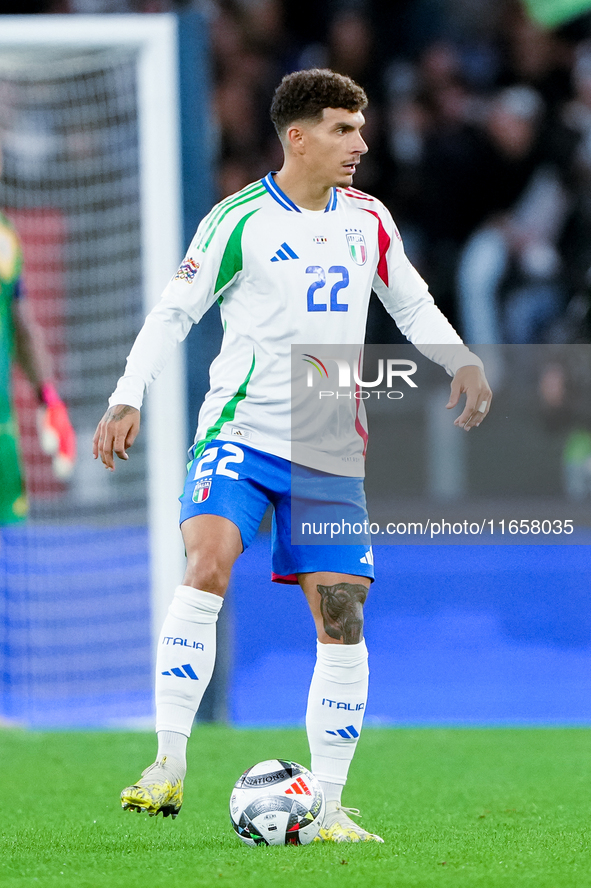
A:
234, 454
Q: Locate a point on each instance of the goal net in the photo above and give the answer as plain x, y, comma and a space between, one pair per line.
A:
90, 180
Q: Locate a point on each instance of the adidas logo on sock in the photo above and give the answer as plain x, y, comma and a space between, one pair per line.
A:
348, 733
185, 671
284, 252
299, 787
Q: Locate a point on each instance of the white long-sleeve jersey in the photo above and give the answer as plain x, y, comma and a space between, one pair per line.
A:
285, 275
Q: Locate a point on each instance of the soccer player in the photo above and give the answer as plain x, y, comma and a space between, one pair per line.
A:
291, 259
21, 341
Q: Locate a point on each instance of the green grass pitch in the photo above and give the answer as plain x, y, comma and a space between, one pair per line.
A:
458, 807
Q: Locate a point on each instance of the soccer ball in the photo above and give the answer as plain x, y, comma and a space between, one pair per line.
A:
277, 803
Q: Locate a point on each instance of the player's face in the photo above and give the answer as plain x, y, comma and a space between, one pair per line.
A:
333, 147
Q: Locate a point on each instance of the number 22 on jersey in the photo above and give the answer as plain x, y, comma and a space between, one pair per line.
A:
315, 302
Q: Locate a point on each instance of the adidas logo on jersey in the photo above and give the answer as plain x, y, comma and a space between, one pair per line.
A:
185, 671
284, 252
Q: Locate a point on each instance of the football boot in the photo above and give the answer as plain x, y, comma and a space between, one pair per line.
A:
337, 826
160, 789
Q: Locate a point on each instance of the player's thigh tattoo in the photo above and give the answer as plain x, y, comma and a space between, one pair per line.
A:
341, 607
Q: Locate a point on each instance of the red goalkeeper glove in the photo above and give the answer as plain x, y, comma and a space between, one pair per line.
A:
56, 435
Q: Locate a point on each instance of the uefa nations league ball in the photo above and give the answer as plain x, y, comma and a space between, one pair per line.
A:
277, 803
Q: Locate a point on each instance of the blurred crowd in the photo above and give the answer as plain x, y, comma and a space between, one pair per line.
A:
479, 128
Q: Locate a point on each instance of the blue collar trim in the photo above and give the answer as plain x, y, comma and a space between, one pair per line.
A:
278, 195
332, 203
287, 204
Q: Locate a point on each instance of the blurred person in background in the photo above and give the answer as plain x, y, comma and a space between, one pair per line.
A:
536, 56
442, 206
563, 389
576, 118
524, 206
251, 52
22, 343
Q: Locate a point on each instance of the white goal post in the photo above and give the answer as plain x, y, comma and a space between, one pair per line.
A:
153, 40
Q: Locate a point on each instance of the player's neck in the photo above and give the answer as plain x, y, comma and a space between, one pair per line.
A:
301, 189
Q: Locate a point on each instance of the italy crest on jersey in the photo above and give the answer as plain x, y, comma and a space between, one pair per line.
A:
357, 246
201, 491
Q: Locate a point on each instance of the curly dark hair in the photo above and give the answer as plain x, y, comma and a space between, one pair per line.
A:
303, 95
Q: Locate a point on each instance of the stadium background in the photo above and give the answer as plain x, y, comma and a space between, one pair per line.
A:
460, 634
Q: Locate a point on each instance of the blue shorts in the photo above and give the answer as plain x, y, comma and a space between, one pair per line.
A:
238, 483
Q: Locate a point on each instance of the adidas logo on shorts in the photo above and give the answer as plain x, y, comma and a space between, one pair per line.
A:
368, 557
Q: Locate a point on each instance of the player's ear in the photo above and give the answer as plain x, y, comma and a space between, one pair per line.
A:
294, 138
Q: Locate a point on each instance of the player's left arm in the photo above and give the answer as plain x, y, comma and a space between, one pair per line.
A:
56, 435
406, 297
470, 379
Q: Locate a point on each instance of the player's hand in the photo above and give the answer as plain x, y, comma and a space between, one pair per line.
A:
56, 435
472, 381
115, 433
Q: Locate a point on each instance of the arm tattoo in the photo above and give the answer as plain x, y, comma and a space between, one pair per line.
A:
341, 607
123, 412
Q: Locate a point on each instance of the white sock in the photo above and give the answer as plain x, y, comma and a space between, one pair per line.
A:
173, 746
185, 658
332, 792
336, 706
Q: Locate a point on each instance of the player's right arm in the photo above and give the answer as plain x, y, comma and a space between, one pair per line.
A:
116, 433
211, 264
163, 329
166, 325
